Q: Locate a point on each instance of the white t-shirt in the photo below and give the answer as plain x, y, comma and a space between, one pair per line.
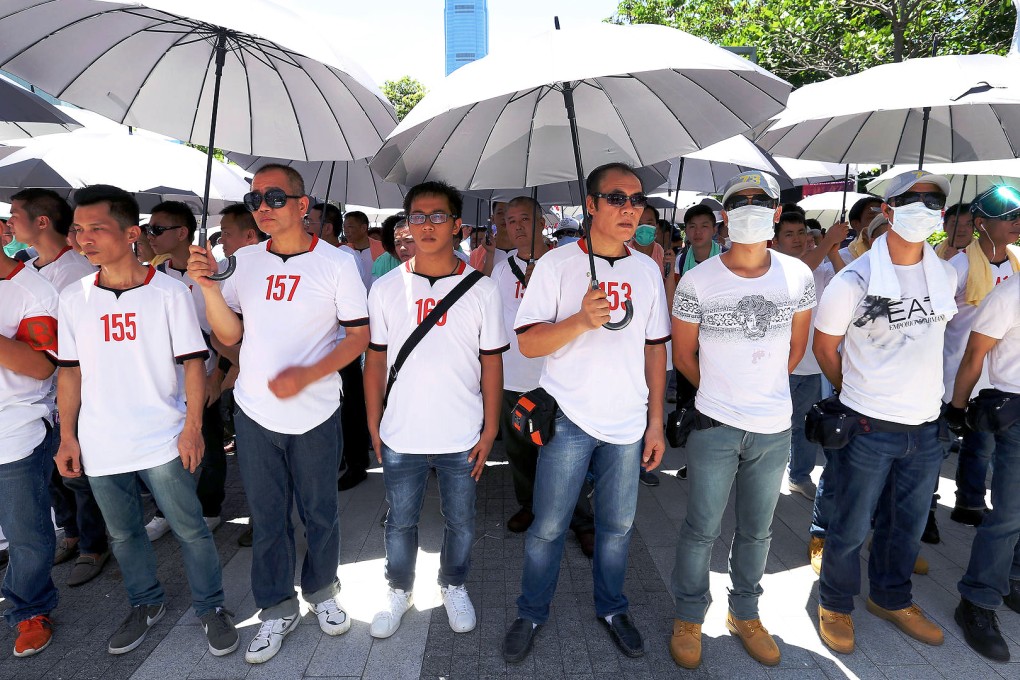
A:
744, 339
598, 378
999, 317
196, 295
520, 374
28, 312
846, 255
892, 356
363, 258
959, 327
436, 402
822, 274
292, 307
128, 344
66, 268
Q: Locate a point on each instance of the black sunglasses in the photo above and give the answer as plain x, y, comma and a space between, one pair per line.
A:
933, 200
153, 230
759, 200
617, 199
274, 198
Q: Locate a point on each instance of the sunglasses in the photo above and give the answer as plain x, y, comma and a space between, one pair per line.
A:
759, 200
274, 198
933, 200
998, 203
434, 218
152, 230
617, 199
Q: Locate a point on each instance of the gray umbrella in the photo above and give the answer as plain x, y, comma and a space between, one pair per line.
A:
23, 114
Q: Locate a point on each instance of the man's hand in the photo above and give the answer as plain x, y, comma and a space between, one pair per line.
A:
200, 266
594, 308
376, 444
68, 458
956, 418
191, 446
290, 381
480, 453
213, 387
836, 233
655, 447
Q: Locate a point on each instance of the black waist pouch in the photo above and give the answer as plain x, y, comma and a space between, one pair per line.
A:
830, 423
993, 410
680, 423
534, 417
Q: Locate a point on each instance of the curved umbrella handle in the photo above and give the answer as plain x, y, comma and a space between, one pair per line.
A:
232, 264
628, 316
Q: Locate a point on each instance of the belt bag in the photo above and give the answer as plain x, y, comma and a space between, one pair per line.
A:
993, 411
534, 417
830, 424
680, 423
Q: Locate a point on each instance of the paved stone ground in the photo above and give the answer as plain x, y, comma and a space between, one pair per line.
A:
572, 645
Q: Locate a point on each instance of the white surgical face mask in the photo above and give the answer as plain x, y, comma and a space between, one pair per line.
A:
915, 223
751, 224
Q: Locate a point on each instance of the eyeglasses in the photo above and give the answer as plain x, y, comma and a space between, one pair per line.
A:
933, 200
759, 200
617, 199
434, 218
998, 203
153, 230
274, 198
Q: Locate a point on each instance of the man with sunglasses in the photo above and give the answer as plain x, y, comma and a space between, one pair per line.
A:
888, 310
294, 292
740, 327
610, 411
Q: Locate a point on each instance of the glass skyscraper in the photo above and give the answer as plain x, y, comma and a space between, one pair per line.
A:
467, 32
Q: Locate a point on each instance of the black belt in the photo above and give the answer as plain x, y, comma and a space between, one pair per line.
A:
870, 424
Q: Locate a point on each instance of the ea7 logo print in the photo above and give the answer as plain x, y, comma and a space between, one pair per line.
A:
755, 314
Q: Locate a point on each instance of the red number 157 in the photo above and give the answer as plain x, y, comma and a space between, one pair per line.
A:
278, 285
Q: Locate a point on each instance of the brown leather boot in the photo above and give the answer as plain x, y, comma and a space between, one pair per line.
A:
815, 550
836, 630
685, 645
912, 621
756, 640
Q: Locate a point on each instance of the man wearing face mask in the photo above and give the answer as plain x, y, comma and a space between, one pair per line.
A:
889, 309
740, 326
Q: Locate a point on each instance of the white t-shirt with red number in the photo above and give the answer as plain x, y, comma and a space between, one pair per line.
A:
28, 313
598, 378
435, 405
292, 307
520, 374
128, 344
65, 269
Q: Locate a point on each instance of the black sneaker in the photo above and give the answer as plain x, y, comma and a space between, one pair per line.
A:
517, 642
981, 631
649, 478
245, 539
682, 472
625, 634
1012, 599
132, 632
5, 557
220, 632
351, 479
931, 530
972, 517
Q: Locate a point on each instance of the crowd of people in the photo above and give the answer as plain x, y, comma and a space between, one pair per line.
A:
332, 341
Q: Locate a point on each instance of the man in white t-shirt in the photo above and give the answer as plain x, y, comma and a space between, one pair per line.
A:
494, 249
294, 293
123, 333
355, 229
889, 310
609, 387
740, 327
28, 345
459, 360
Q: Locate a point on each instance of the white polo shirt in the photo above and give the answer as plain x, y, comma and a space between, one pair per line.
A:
128, 344
436, 403
598, 378
65, 269
292, 307
520, 374
999, 317
28, 313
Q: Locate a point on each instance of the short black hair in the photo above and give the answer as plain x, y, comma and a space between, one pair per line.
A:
535, 206
47, 203
357, 216
434, 188
591, 185
297, 182
812, 223
245, 219
655, 211
389, 227
123, 206
793, 208
331, 216
954, 209
792, 217
857, 211
182, 212
696, 210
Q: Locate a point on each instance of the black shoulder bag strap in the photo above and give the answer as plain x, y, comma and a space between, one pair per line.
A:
426, 325
516, 269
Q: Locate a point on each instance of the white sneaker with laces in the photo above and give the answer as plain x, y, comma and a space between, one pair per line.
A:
157, 528
269, 639
459, 609
386, 622
806, 489
333, 620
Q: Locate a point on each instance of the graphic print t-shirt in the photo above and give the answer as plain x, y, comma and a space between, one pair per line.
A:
744, 339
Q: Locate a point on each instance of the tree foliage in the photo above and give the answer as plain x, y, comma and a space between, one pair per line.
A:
403, 94
805, 41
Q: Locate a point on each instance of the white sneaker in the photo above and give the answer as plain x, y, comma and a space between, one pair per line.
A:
212, 522
333, 620
459, 609
269, 639
806, 489
157, 528
386, 622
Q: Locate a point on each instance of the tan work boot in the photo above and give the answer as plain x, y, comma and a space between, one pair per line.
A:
756, 640
920, 565
912, 621
815, 550
836, 630
685, 645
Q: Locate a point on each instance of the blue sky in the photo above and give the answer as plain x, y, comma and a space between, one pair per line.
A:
392, 38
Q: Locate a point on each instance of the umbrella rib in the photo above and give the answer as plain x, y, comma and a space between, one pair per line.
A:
488, 136
339, 127
448, 138
899, 142
619, 115
531, 137
290, 100
656, 95
247, 84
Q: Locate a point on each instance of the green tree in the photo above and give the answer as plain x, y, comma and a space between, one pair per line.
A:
403, 94
805, 41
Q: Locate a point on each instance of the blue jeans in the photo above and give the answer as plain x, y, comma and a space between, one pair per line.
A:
25, 517
173, 489
806, 391
995, 553
562, 467
406, 476
972, 468
825, 494
718, 458
888, 476
277, 470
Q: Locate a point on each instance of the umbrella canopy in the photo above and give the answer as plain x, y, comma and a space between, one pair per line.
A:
651, 94
570, 193
827, 207
710, 168
153, 169
877, 116
967, 180
23, 114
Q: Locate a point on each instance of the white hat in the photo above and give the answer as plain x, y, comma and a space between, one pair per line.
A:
902, 182
752, 180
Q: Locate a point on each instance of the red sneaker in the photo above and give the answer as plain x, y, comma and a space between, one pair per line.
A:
34, 635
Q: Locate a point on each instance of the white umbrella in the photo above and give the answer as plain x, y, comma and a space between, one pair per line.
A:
828, 207
967, 180
23, 114
879, 115
569, 193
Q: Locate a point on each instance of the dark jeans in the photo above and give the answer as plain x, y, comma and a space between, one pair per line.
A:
972, 468
212, 473
825, 494
76, 510
354, 419
806, 391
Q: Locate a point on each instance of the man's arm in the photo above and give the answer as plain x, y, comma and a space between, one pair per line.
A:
190, 444
978, 347
68, 457
655, 376
826, 348
545, 338
225, 323
799, 331
293, 379
21, 358
375, 386
685, 350
492, 403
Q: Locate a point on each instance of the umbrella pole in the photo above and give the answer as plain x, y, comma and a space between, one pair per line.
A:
221, 58
846, 180
679, 181
534, 223
956, 217
927, 111
325, 201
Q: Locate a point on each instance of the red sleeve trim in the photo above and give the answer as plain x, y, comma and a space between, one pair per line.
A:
657, 341
38, 332
203, 355
354, 323
487, 352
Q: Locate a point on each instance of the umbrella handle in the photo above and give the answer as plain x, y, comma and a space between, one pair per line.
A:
628, 316
231, 265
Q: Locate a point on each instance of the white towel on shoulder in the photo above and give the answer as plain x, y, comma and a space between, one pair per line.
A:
885, 284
